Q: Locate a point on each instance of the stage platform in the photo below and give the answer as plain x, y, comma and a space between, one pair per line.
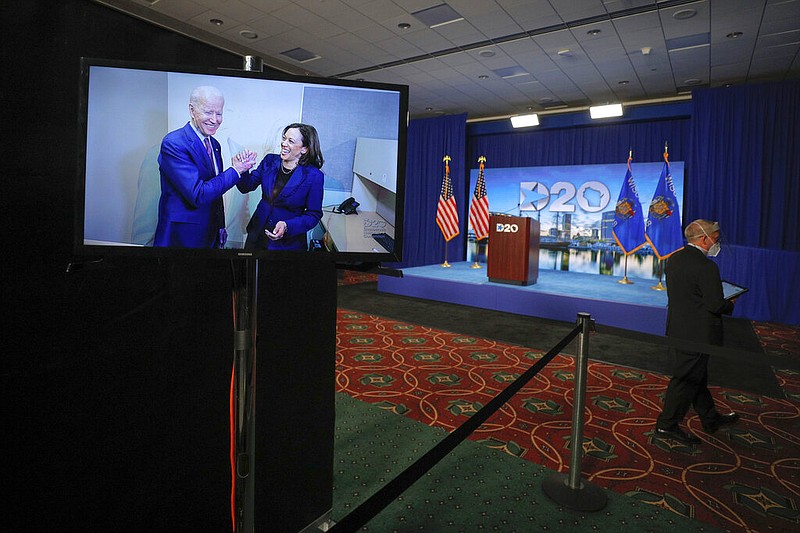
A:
556, 295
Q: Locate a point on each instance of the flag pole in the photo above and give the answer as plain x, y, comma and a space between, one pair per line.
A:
625, 280
475, 255
660, 286
481, 161
446, 160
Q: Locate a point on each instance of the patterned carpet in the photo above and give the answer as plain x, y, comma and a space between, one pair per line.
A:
743, 478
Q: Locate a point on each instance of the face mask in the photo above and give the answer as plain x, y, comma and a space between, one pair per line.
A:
715, 248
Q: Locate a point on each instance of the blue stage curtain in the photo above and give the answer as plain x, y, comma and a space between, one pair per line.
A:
768, 275
429, 140
745, 163
744, 171
588, 145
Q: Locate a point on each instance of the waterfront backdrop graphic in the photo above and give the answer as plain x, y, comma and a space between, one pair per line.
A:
575, 208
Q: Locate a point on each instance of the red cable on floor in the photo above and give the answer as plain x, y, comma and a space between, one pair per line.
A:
233, 456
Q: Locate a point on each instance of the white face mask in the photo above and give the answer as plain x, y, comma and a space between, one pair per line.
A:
715, 248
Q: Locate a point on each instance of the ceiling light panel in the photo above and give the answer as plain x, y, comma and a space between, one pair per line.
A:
437, 16
300, 55
605, 111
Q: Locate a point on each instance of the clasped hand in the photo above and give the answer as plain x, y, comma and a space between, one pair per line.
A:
243, 161
277, 232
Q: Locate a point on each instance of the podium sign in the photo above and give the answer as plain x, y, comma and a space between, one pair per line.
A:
513, 255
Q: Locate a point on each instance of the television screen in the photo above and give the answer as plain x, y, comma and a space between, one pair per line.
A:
232, 163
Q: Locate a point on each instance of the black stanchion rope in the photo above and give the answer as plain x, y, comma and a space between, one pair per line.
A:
378, 501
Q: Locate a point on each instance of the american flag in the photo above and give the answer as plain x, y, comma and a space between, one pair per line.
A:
479, 209
446, 212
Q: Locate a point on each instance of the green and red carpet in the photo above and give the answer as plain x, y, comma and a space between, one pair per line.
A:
743, 478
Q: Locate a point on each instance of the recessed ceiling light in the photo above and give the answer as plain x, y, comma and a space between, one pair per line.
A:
216, 22
545, 100
692, 81
566, 52
734, 35
247, 34
404, 25
623, 82
593, 32
428, 109
683, 14
486, 53
483, 77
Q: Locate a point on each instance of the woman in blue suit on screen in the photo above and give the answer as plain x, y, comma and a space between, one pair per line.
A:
291, 192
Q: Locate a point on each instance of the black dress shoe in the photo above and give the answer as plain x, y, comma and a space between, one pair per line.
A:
727, 419
676, 434
720, 420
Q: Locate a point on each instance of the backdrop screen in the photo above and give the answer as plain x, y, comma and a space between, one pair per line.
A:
142, 187
575, 208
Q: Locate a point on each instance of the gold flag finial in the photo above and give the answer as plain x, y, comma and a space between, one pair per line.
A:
481, 159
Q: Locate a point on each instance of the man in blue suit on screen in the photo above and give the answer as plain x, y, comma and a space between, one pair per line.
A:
190, 211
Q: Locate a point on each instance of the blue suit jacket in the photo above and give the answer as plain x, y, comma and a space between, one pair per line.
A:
190, 210
299, 204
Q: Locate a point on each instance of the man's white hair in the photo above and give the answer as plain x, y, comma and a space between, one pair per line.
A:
698, 228
204, 93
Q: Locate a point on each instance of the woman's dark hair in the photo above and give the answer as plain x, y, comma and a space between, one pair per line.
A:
313, 156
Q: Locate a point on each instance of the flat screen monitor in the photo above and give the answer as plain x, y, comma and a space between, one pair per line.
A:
147, 185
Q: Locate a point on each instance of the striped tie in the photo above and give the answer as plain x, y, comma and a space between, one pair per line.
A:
208, 149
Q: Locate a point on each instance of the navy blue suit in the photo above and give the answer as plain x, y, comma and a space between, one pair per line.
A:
190, 210
299, 204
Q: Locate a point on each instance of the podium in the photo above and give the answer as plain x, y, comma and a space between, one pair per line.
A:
513, 250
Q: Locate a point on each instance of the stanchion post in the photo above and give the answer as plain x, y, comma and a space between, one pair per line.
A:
244, 303
570, 490
245, 296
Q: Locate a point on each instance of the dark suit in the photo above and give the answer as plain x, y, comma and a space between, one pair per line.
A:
299, 204
190, 210
694, 313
